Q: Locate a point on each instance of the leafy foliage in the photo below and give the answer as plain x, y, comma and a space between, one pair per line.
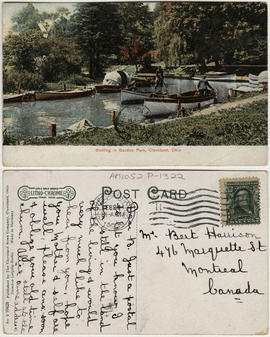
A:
97, 32
195, 32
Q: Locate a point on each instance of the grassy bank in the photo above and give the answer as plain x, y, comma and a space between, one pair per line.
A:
239, 126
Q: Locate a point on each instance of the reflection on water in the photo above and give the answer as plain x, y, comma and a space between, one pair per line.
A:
34, 118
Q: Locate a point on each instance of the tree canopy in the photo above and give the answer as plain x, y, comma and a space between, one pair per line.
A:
225, 31
55, 45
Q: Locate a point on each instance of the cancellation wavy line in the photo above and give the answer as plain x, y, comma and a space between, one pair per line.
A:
190, 204
199, 196
184, 215
182, 227
202, 189
190, 209
179, 221
196, 219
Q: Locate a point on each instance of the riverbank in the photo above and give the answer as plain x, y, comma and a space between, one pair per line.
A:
242, 122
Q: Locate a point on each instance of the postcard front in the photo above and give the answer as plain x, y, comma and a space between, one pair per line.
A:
170, 83
135, 252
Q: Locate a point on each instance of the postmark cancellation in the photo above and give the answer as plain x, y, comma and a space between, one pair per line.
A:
240, 201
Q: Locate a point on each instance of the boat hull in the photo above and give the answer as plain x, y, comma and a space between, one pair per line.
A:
55, 95
220, 78
13, 98
107, 89
159, 108
166, 105
133, 97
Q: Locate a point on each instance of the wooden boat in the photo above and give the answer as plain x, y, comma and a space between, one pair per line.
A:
133, 97
26, 97
159, 104
12, 98
63, 94
141, 82
107, 89
217, 77
253, 79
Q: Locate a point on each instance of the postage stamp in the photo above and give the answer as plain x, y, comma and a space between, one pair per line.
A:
240, 201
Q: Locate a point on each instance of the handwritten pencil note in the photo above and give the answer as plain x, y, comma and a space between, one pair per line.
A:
143, 252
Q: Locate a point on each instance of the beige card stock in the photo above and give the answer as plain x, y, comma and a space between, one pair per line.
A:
135, 252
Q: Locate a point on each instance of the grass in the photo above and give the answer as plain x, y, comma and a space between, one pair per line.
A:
238, 126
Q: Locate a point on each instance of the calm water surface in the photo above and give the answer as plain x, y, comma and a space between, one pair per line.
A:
34, 118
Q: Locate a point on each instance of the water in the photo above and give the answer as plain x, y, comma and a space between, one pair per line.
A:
34, 118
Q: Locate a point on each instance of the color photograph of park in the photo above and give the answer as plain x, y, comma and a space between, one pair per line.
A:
135, 73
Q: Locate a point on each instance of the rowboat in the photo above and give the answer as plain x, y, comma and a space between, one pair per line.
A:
65, 94
107, 89
12, 98
217, 77
26, 97
157, 105
133, 97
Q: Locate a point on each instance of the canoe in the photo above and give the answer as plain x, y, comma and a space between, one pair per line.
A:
107, 89
215, 77
65, 94
133, 97
157, 105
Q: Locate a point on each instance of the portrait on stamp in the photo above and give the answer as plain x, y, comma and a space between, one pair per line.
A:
118, 77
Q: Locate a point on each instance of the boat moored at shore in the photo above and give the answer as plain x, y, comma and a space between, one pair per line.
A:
158, 105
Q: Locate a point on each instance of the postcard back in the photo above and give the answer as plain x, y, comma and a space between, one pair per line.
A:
135, 252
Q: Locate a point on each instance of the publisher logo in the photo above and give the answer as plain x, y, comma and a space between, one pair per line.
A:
67, 193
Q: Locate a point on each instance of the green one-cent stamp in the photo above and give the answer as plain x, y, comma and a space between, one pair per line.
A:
240, 201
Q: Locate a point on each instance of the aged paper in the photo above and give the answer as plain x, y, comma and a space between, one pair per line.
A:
135, 252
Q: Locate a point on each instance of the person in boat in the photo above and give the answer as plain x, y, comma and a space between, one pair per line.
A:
159, 81
204, 86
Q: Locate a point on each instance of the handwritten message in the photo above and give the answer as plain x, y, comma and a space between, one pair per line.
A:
69, 271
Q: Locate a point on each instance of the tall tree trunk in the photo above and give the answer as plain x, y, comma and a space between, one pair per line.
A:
203, 66
217, 64
91, 66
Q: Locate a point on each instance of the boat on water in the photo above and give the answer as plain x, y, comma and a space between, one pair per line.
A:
107, 89
63, 94
26, 97
47, 95
133, 97
159, 104
12, 98
217, 77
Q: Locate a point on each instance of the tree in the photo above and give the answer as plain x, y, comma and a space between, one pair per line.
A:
136, 25
20, 51
210, 31
32, 59
27, 20
133, 51
97, 33
62, 25
60, 60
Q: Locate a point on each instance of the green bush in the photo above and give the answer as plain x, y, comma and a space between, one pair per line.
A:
14, 81
77, 79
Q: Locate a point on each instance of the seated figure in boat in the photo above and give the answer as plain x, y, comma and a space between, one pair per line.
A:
159, 81
203, 86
